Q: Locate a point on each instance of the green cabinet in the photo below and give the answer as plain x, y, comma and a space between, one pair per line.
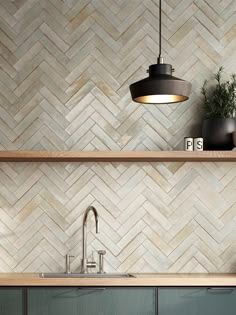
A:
11, 301
117, 301
91, 301
196, 301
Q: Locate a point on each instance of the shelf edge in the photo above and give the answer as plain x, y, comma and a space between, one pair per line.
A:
117, 156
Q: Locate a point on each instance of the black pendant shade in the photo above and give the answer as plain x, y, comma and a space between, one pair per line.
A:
160, 87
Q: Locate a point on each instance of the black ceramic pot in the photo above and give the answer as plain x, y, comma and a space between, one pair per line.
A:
217, 133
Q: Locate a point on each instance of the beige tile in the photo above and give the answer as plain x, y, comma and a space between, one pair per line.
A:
66, 67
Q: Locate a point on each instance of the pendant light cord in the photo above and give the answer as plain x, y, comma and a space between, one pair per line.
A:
159, 28
160, 59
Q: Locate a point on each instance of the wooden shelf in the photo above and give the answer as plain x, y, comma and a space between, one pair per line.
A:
117, 156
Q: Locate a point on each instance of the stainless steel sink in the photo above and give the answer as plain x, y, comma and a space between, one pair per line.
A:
88, 275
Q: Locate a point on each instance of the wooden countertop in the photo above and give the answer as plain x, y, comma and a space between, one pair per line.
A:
15, 279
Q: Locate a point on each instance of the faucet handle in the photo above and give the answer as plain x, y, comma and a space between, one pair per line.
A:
68, 257
101, 254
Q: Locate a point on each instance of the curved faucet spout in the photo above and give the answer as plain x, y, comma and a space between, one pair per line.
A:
91, 208
84, 262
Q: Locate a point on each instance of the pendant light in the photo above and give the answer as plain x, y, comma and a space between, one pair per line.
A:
160, 87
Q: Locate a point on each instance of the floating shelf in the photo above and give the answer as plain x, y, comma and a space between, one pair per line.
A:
117, 156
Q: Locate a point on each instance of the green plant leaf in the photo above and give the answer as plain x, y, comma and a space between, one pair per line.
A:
220, 102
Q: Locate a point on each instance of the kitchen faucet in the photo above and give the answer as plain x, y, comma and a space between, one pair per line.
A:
84, 262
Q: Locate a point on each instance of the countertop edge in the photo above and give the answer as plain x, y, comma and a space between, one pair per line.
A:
139, 280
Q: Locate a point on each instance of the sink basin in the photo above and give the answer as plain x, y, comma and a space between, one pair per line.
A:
88, 275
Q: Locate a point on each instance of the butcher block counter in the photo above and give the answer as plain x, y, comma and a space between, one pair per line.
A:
152, 280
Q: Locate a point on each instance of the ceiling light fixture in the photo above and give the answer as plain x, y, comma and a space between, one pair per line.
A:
160, 87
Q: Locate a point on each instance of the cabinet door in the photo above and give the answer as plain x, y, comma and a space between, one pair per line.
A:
11, 301
91, 301
197, 301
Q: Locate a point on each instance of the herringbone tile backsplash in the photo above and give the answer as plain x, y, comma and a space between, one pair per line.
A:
65, 68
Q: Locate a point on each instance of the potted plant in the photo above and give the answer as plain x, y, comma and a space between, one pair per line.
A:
220, 111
